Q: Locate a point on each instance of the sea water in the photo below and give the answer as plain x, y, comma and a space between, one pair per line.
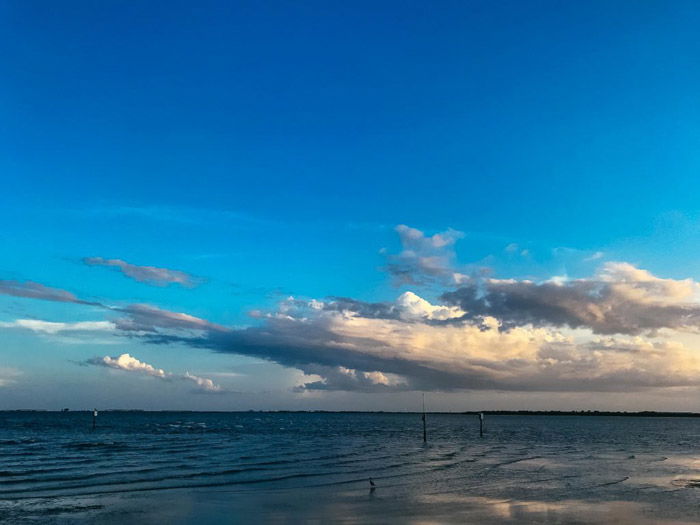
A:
54, 466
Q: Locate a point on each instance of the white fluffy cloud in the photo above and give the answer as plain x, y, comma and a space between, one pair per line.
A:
201, 382
128, 363
415, 308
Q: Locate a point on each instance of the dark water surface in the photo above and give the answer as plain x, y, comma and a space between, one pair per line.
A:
298, 467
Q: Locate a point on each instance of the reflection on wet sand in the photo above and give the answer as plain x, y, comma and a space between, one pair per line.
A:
293, 506
490, 510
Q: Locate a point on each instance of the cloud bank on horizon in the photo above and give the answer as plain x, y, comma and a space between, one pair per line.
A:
613, 331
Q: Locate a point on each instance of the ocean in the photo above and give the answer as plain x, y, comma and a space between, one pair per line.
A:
195, 467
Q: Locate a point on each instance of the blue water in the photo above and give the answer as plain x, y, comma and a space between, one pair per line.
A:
523, 458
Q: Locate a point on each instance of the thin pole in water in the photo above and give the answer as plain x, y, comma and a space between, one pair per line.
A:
425, 431
94, 419
481, 424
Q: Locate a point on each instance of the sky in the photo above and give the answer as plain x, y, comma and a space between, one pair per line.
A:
324, 205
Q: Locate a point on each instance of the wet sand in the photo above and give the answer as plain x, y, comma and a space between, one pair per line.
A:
350, 505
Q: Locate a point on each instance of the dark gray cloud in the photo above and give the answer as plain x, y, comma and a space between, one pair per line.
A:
35, 290
425, 259
369, 310
134, 317
147, 318
621, 299
145, 274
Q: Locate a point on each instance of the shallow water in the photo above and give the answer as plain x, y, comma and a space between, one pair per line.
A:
203, 466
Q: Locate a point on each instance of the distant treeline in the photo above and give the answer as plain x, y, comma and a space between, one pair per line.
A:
646, 413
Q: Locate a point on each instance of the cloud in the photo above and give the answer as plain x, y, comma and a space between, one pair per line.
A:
594, 256
145, 274
147, 318
515, 249
8, 376
35, 290
350, 350
202, 382
127, 363
619, 299
600, 333
51, 328
425, 259
132, 319
342, 378
135, 317
413, 307
408, 306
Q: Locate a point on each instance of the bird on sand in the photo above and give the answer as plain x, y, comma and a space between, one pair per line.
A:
371, 483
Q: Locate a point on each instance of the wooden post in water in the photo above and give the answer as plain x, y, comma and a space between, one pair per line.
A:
94, 419
481, 424
425, 431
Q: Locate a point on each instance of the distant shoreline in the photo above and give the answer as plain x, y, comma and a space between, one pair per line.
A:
584, 413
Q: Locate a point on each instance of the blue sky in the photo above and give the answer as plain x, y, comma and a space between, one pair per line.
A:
270, 150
